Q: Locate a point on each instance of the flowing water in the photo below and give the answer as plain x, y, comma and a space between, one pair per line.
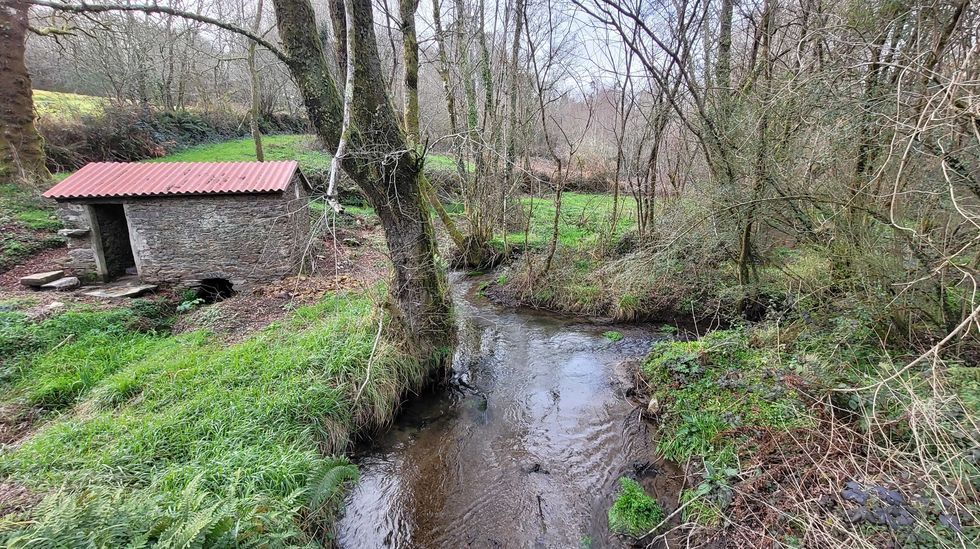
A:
525, 453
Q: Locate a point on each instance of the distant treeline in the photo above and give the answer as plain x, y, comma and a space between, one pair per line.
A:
129, 133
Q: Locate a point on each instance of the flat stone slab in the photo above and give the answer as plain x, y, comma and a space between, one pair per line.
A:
63, 284
41, 279
73, 232
120, 291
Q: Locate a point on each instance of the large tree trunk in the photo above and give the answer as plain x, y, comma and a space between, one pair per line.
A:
380, 162
21, 148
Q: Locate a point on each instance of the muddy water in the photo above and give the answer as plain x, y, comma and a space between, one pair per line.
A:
526, 453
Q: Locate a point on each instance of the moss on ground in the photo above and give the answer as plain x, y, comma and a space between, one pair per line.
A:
634, 513
613, 335
175, 426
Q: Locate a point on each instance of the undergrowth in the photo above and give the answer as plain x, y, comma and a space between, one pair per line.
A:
772, 425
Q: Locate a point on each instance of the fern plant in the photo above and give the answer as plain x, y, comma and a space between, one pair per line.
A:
103, 517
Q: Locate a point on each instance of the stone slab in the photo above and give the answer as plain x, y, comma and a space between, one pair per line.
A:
41, 279
73, 232
120, 291
63, 284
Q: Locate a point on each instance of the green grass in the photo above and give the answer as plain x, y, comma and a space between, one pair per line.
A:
303, 148
157, 413
66, 105
634, 513
584, 219
28, 225
275, 147
714, 393
442, 163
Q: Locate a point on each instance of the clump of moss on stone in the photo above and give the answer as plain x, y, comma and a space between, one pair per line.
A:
634, 513
613, 335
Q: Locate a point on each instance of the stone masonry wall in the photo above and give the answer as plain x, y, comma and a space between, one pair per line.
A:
81, 254
247, 238
243, 238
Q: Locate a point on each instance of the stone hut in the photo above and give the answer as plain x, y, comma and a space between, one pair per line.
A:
224, 224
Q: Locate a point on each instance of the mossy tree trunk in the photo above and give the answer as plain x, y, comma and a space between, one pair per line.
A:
21, 147
410, 49
510, 155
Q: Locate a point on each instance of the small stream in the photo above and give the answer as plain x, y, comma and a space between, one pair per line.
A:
526, 453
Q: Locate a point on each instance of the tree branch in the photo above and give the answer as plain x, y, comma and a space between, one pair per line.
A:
84, 7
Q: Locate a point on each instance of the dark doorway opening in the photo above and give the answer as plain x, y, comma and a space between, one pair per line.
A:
117, 251
213, 290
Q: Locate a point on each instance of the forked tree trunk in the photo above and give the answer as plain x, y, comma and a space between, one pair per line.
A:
380, 162
21, 147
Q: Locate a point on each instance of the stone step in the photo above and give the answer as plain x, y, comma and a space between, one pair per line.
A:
120, 291
73, 233
63, 284
40, 279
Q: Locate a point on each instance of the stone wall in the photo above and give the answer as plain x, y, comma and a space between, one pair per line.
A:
81, 253
245, 238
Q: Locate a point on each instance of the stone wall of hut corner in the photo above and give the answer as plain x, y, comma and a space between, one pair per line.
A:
246, 239
81, 253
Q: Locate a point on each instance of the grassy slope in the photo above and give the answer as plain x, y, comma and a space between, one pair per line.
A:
27, 226
584, 218
66, 105
158, 413
711, 394
276, 147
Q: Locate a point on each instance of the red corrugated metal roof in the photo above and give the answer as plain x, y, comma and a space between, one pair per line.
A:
123, 179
